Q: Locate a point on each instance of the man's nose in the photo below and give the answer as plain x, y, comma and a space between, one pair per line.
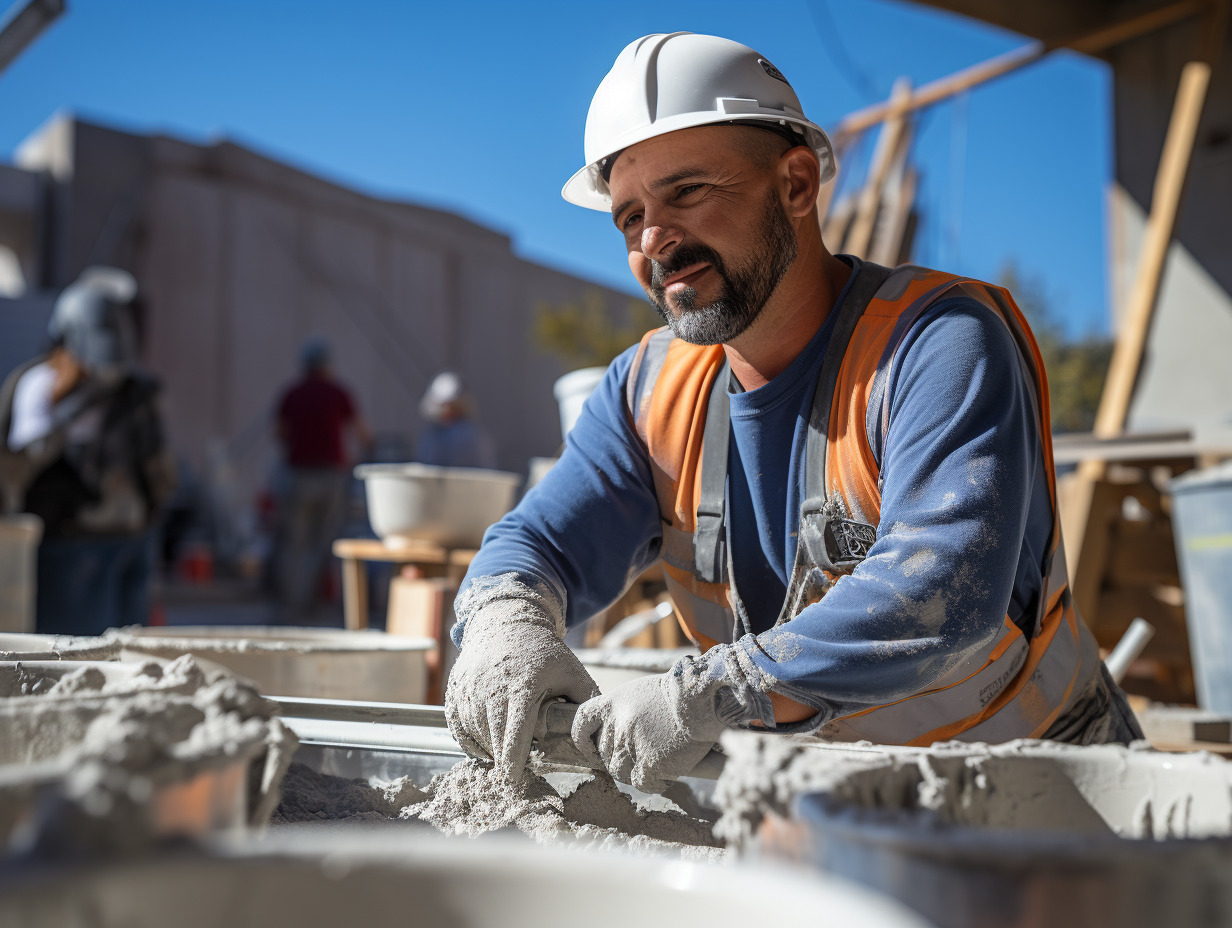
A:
660, 240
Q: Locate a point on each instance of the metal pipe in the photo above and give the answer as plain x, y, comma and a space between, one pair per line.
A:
1140, 631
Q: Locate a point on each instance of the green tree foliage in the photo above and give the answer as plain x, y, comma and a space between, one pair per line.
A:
587, 333
1076, 367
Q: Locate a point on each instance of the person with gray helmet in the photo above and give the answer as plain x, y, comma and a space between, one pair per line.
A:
845, 471
85, 451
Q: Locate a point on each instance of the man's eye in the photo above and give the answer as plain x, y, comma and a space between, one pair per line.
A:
630, 220
688, 189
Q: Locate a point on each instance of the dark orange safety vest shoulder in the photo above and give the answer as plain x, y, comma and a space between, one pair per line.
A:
1022, 682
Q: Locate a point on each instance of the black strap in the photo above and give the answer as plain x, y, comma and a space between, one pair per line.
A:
710, 537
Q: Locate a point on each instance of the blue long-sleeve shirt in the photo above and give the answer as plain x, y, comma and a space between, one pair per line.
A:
965, 516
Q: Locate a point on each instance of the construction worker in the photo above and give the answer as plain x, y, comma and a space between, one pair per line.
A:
452, 436
314, 417
846, 471
85, 451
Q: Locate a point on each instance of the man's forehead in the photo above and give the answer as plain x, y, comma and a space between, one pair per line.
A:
661, 159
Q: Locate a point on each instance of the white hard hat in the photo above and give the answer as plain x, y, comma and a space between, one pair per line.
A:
447, 389
665, 82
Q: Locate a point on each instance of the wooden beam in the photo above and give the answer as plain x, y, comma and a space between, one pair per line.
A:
1165, 205
1091, 43
894, 136
1084, 529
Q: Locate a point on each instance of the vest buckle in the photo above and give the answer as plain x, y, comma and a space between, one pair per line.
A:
833, 543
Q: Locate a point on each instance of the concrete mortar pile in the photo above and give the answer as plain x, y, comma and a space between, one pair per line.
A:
549, 806
98, 757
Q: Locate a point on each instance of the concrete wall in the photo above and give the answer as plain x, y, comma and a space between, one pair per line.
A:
240, 258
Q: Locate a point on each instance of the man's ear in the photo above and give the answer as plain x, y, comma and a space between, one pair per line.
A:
799, 180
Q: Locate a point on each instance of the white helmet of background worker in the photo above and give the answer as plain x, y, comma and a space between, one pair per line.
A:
666, 82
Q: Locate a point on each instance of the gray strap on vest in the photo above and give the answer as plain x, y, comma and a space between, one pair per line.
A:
709, 539
710, 536
835, 543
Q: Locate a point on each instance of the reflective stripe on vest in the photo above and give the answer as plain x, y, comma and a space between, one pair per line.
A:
1020, 683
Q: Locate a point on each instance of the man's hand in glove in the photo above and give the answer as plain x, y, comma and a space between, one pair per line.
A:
651, 731
512, 659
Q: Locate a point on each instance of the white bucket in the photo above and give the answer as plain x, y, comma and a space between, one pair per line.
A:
447, 506
571, 392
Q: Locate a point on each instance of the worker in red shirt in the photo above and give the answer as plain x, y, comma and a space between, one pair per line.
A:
314, 418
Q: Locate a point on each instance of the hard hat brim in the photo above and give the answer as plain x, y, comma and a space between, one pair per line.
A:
587, 188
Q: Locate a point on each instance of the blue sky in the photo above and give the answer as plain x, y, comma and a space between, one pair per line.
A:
479, 107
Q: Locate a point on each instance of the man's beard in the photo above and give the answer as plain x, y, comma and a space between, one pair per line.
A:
745, 291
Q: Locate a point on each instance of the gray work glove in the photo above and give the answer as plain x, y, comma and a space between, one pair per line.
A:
513, 658
651, 731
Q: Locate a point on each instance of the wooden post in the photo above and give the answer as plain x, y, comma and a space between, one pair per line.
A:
888, 144
1085, 525
1165, 202
354, 593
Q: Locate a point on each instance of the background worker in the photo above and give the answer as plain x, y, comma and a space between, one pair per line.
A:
845, 471
452, 437
314, 418
85, 452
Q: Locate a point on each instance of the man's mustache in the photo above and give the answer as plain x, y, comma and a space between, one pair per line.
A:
680, 258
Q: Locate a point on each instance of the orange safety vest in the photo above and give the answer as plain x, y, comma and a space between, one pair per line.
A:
1020, 684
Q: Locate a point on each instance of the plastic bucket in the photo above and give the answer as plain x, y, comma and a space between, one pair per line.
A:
448, 506
571, 392
1202, 521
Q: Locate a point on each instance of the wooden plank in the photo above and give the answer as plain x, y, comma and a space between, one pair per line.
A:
1165, 204
1103, 508
941, 89
419, 552
1091, 43
894, 134
892, 223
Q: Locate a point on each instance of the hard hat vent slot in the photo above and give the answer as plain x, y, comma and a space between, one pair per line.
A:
736, 105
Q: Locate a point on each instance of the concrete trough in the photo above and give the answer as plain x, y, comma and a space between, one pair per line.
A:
308, 876
20, 646
610, 667
1024, 834
311, 662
